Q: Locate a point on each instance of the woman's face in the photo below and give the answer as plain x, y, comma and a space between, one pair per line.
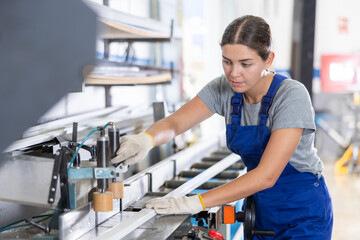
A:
243, 67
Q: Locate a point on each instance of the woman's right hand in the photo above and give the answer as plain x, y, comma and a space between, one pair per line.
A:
133, 148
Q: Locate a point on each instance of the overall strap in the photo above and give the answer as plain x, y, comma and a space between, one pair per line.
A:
236, 102
268, 98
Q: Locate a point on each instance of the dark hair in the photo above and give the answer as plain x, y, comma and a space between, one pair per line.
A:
251, 31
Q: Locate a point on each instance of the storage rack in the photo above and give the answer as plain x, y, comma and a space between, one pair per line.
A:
117, 26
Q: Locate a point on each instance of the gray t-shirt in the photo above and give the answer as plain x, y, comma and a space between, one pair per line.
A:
291, 108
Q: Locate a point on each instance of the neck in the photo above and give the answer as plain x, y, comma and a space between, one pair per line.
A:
256, 95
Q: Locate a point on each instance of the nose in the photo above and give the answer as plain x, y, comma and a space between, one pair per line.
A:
235, 71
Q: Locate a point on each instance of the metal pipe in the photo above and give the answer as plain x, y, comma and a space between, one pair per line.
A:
213, 158
114, 137
222, 175
205, 185
205, 165
103, 159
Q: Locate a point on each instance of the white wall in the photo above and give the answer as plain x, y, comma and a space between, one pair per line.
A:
203, 26
330, 37
336, 31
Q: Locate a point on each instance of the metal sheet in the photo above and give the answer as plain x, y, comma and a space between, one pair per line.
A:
74, 224
158, 227
25, 179
35, 75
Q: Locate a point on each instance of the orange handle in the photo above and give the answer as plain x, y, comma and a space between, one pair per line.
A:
229, 214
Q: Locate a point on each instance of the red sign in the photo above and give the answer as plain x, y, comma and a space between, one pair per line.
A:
339, 73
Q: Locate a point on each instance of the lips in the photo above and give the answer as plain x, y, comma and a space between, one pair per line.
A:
237, 84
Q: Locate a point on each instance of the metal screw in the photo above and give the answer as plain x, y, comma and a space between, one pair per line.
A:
51, 200
53, 189
54, 177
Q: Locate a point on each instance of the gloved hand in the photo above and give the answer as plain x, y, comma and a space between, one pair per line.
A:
172, 205
133, 148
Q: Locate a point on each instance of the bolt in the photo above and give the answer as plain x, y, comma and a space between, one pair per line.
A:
57, 153
53, 189
51, 200
54, 177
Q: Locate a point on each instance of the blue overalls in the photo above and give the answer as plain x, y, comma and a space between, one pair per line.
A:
298, 206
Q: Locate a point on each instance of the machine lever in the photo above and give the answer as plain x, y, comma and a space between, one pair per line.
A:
60, 169
45, 228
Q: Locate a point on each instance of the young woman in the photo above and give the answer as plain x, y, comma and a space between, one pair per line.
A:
270, 124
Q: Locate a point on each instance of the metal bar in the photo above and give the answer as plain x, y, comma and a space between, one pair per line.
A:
205, 185
222, 175
214, 158
204, 176
224, 152
205, 165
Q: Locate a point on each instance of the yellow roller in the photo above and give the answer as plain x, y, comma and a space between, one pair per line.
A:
103, 202
117, 188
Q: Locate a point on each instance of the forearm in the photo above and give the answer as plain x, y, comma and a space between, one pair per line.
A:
239, 188
264, 175
189, 115
162, 131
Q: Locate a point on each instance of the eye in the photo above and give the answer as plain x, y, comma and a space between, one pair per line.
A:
226, 62
246, 65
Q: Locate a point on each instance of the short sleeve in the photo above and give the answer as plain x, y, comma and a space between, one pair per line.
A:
216, 95
293, 108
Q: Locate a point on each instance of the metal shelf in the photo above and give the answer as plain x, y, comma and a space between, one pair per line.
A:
121, 26
117, 26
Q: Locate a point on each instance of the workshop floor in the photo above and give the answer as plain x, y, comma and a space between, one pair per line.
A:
345, 193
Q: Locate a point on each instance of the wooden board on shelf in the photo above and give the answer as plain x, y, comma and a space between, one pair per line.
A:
127, 80
111, 29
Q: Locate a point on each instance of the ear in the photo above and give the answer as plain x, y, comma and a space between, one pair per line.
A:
270, 60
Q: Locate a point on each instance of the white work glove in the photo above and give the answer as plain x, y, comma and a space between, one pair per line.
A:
133, 148
172, 205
